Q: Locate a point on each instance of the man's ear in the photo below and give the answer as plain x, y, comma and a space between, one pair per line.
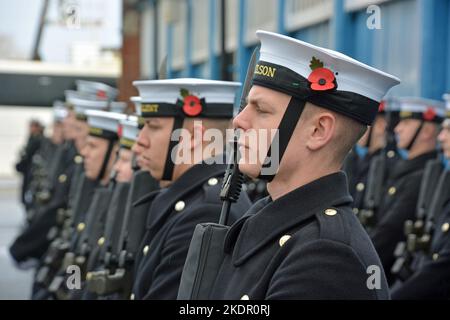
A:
322, 130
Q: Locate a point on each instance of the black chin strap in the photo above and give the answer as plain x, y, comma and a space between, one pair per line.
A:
134, 163
106, 159
285, 130
169, 165
414, 138
369, 138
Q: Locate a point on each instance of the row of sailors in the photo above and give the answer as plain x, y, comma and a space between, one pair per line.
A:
399, 179
123, 212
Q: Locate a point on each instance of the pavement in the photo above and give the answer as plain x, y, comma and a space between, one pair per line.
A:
14, 283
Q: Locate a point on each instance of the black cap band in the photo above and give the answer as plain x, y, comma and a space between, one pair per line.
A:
209, 110
126, 143
81, 117
420, 116
350, 104
102, 133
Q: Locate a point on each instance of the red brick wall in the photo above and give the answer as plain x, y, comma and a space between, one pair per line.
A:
130, 53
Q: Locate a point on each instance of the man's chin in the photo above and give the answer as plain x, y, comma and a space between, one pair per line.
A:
250, 170
156, 174
90, 176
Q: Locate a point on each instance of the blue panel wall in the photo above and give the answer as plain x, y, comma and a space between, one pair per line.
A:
413, 43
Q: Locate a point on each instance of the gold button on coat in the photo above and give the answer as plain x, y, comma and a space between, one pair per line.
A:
179, 206
101, 241
62, 178
360, 187
330, 212
81, 226
283, 239
392, 191
213, 181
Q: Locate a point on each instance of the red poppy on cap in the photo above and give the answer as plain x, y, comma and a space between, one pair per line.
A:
101, 94
322, 79
429, 114
192, 106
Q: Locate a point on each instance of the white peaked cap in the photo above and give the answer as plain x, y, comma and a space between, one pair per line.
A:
59, 110
82, 103
390, 104
98, 89
130, 128
351, 75
168, 91
136, 100
447, 104
104, 120
420, 105
117, 106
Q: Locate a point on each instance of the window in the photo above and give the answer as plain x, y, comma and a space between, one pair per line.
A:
200, 30
261, 14
304, 13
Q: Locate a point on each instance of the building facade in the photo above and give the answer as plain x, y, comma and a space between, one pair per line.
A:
408, 38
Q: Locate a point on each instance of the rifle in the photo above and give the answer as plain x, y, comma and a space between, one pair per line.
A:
60, 245
419, 233
378, 174
113, 222
116, 277
83, 241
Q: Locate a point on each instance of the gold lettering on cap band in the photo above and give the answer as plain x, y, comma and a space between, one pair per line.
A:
81, 117
405, 114
149, 107
128, 143
265, 71
96, 131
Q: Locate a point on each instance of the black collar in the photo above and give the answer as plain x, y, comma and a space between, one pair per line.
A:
189, 181
268, 219
404, 167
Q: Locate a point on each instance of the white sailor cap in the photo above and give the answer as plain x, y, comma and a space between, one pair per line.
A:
117, 106
100, 90
447, 104
137, 101
186, 97
129, 131
59, 110
104, 124
421, 109
321, 76
389, 104
80, 103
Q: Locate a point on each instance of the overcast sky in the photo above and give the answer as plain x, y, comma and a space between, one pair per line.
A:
19, 20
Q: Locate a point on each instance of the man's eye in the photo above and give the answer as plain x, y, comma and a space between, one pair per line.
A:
259, 110
152, 126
